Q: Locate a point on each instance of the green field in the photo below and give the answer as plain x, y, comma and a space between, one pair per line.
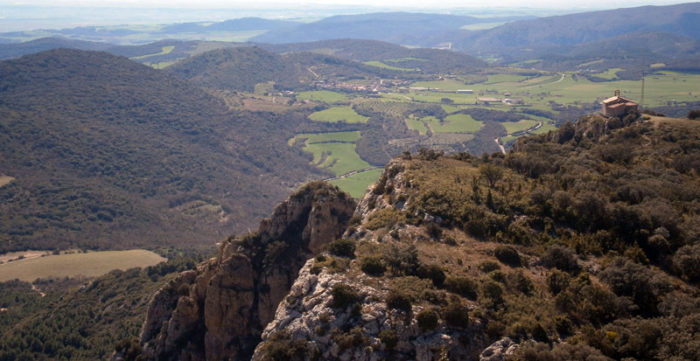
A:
357, 184
91, 264
482, 26
610, 74
162, 65
447, 85
512, 127
328, 137
400, 60
455, 123
334, 151
505, 78
379, 64
416, 124
325, 96
338, 114
165, 50
437, 97
339, 158
660, 89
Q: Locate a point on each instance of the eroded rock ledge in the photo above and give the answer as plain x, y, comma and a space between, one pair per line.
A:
219, 311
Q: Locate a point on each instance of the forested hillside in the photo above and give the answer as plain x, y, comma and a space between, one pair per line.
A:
103, 152
73, 319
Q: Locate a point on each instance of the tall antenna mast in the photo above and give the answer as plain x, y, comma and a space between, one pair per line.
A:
641, 102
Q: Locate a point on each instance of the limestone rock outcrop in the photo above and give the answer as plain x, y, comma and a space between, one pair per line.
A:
355, 332
218, 311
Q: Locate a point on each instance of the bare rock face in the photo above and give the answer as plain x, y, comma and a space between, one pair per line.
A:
499, 350
219, 311
307, 321
309, 324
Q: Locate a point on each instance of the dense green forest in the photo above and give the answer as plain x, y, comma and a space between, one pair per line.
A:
73, 319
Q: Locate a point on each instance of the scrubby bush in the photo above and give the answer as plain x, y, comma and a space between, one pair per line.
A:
687, 262
558, 281
434, 231
536, 351
462, 286
402, 260
641, 284
427, 320
489, 266
279, 347
343, 296
373, 266
432, 272
396, 300
342, 248
350, 339
562, 258
385, 218
507, 255
493, 292
389, 338
456, 315
519, 281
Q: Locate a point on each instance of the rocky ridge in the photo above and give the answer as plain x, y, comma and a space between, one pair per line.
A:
458, 257
219, 310
309, 322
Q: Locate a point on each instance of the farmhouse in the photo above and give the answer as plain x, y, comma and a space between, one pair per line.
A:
464, 91
513, 101
618, 106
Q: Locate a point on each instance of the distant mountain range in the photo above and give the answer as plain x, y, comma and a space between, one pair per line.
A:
667, 34
545, 35
399, 28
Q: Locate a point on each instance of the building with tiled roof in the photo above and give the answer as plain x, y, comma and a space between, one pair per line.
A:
618, 106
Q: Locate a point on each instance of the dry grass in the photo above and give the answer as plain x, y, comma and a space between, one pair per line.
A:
91, 264
5, 180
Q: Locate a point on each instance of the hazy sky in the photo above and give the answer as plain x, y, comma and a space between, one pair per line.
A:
442, 4
21, 15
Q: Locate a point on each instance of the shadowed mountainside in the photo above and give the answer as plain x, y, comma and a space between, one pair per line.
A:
106, 153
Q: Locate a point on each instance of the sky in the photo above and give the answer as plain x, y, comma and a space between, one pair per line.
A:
23, 15
425, 4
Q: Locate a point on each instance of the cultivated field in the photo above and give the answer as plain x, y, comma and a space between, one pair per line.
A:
357, 184
416, 124
325, 96
379, 64
334, 151
5, 180
525, 124
541, 91
164, 51
338, 114
89, 264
